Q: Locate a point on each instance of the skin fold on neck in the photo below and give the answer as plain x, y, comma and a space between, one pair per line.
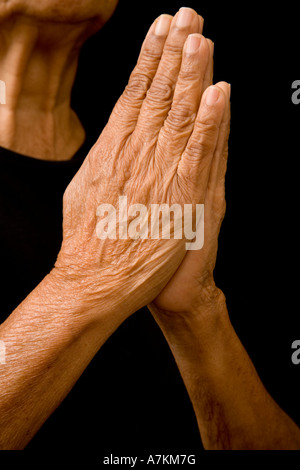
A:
38, 63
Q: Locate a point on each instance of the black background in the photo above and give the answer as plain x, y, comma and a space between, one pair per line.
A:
255, 51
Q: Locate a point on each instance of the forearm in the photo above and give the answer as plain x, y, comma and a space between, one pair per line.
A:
233, 409
49, 340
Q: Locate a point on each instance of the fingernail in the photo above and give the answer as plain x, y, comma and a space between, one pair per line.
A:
212, 96
192, 44
229, 86
185, 17
162, 26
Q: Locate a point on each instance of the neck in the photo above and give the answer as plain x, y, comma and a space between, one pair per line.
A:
38, 63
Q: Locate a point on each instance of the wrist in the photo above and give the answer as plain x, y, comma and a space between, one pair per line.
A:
86, 304
197, 328
203, 309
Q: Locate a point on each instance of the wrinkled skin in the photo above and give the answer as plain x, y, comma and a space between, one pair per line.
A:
158, 147
40, 42
193, 287
68, 11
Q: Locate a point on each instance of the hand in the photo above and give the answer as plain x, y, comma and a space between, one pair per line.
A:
156, 148
193, 286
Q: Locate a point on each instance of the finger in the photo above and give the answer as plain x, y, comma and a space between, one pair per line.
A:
201, 24
159, 98
208, 79
128, 107
194, 166
179, 124
219, 163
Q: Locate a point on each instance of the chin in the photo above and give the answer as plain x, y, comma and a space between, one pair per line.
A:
68, 11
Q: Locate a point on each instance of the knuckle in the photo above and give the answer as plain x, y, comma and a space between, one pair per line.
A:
160, 90
152, 49
193, 151
174, 48
204, 147
137, 86
208, 128
189, 75
181, 117
205, 138
183, 107
200, 148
